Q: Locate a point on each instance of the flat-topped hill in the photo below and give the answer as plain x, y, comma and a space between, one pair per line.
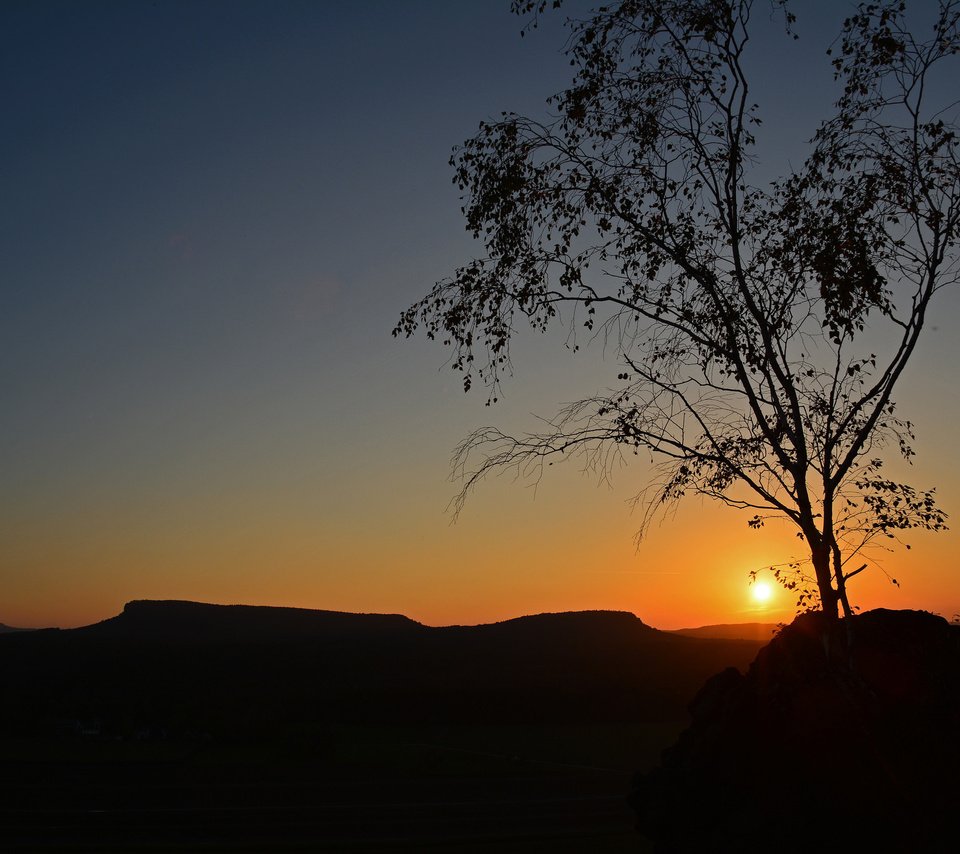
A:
199, 621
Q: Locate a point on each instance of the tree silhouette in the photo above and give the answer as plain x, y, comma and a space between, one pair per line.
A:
761, 330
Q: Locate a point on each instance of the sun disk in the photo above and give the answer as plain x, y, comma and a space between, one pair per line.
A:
762, 591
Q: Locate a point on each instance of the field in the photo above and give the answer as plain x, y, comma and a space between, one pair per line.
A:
340, 788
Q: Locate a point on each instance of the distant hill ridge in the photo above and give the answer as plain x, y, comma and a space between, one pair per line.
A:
5, 628
170, 618
236, 670
196, 621
743, 631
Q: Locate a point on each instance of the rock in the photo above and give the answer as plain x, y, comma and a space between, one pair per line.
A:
843, 738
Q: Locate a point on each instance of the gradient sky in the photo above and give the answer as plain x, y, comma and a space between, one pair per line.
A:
213, 213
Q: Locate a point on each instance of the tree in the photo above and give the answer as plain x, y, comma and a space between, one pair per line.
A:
761, 330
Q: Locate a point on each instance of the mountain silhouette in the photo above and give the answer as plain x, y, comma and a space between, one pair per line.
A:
4, 629
183, 621
744, 631
235, 670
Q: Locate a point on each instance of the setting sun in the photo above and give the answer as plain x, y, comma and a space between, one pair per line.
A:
762, 592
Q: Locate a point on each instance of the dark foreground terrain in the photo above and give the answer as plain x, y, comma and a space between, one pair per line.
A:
184, 727
840, 737
403, 789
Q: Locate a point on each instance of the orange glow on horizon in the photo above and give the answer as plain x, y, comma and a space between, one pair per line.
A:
338, 541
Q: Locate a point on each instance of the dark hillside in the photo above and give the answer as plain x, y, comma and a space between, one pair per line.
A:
848, 733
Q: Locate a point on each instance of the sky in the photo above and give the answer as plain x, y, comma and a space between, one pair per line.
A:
213, 213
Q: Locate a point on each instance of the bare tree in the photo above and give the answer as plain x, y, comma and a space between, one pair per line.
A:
761, 329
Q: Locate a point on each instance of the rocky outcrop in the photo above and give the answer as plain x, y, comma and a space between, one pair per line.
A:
837, 738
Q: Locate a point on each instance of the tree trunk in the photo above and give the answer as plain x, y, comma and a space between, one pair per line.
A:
828, 595
841, 582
